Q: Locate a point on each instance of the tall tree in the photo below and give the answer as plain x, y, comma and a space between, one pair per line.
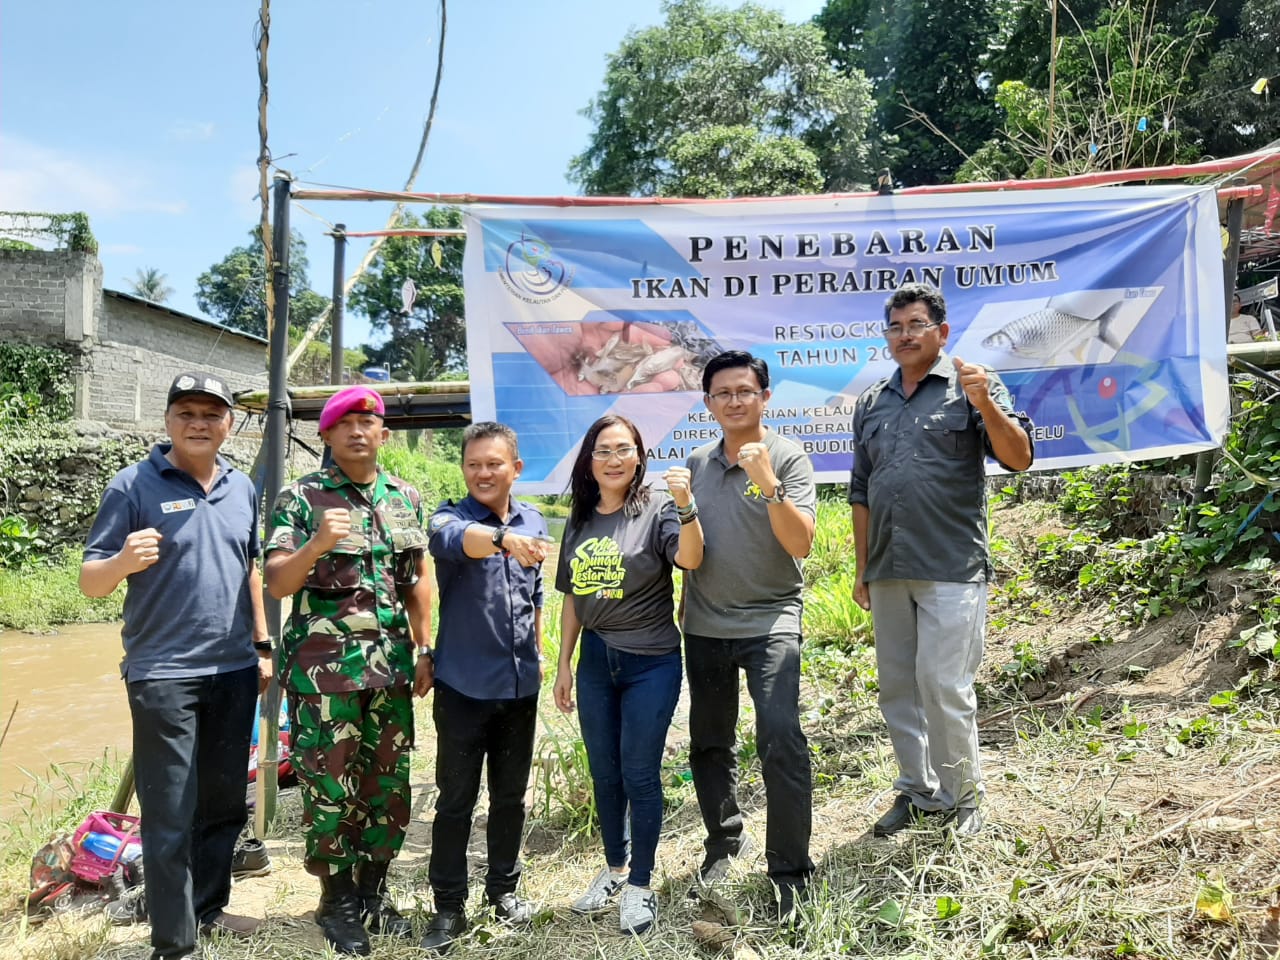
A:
436, 320
149, 284
727, 99
1214, 114
233, 290
927, 63
1119, 87
1224, 113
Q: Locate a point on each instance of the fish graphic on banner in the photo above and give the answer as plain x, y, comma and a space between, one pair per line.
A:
1046, 333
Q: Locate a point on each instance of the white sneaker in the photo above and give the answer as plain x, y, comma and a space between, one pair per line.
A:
600, 893
637, 910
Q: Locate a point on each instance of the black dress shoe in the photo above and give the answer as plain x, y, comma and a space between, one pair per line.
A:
512, 909
900, 816
445, 927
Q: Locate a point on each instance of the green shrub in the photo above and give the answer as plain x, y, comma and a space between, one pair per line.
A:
35, 383
436, 480
831, 616
55, 477
832, 551
35, 598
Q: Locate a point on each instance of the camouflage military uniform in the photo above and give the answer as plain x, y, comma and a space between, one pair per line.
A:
347, 664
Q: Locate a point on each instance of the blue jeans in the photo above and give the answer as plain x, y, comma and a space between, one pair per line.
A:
190, 753
625, 703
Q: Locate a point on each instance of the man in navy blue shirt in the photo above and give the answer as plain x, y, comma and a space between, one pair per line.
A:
488, 550
182, 528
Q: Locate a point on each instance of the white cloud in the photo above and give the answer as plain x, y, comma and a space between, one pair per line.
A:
191, 131
242, 191
34, 177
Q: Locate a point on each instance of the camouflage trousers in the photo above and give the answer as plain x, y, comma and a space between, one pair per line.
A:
351, 751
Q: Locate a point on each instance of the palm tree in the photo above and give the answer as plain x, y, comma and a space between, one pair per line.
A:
420, 365
149, 284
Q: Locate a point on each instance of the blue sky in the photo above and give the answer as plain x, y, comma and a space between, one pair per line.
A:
144, 113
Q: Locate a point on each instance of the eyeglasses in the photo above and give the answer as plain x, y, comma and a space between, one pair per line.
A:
604, 453
916, 327
737, 396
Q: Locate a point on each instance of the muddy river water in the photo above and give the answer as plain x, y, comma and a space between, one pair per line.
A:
67, 703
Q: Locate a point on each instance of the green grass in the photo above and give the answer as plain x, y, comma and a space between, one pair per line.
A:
35, 597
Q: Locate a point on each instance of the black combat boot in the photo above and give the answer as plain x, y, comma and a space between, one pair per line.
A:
339, 914
376, 908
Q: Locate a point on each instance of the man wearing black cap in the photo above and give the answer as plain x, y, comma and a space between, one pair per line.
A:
182, 528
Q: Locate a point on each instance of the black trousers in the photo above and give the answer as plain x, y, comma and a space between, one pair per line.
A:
468, 732
772, 666
190, 761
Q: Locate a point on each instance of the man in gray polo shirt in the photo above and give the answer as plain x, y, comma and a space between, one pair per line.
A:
182, 528
918, 491
756, 500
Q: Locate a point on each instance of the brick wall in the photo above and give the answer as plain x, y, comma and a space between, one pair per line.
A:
49, 297
140, 350
128, 351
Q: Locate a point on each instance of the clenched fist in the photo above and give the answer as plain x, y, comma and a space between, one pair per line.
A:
141, 550
754, 459
335, 525
679, 480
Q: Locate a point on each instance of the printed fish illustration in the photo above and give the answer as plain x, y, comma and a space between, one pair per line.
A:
613, 366
660, 362
1047, 332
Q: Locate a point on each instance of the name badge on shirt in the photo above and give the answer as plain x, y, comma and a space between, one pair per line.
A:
177, 506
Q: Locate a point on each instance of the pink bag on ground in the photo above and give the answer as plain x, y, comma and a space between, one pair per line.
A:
102, 842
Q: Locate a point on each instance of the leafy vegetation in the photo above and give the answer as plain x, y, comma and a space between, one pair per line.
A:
70, 230
437, 480
927, 64
36, 383
429, 340
150, 284
724, 102
1118, 86
233, 290
39, 596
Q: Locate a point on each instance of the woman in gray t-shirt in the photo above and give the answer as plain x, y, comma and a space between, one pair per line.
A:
620, 546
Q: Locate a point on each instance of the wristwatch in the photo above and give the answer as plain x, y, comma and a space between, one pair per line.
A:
499, 535
779, 494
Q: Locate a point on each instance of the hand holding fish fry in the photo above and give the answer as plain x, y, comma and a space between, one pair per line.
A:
973, 380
